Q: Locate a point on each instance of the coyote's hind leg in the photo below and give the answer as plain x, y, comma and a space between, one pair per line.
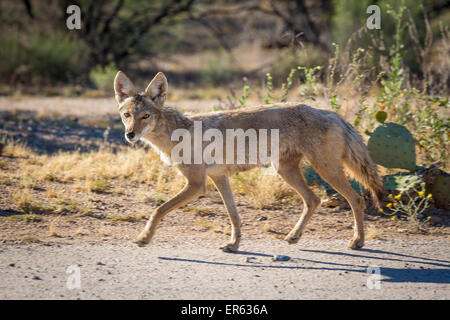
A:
334, 175
289, 170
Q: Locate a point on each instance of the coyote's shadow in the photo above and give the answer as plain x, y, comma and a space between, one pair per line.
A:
423, 274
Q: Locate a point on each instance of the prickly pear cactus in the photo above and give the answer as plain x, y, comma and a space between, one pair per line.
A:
437, 183
440, 189
401, 181
312, 178
392, 146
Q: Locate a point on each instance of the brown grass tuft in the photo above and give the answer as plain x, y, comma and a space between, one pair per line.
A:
53, 232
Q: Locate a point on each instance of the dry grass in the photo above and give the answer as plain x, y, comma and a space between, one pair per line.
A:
50, 193
215, 227
52, 230
121, 218
98, 171
31, 240
3, 164
28, 182
17, 149
25, 218
99, 185
263, 187
25, 201
80, 232
153, 198
141, 216
372, 233
96, 167
202, 212
5, 180
102, 232
94, 171
267, 227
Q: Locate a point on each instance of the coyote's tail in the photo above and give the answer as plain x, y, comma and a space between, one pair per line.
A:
360, 166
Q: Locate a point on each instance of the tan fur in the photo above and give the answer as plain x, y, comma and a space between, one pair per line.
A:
323, 138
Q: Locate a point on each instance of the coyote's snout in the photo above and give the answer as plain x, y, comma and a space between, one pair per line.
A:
327, 141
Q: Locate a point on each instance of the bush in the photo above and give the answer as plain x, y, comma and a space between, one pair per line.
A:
218, 70
103, 77
289, 59
46, 58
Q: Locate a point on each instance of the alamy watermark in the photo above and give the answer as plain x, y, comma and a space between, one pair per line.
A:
231, 149
74, 277
73, 21
374, 20
374, 279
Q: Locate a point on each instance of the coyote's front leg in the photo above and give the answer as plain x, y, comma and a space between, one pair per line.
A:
189, 192
223, 185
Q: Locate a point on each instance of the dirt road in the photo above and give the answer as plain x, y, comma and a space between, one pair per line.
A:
318, 269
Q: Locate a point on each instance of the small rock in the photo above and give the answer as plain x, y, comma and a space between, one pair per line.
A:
100, 279
435, 220
331, 202
100, 263
344, 205
250, 259
117, 260
36, 278
262, 219
280, 257
12, 265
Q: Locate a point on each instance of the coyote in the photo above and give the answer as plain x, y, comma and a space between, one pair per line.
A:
322, 137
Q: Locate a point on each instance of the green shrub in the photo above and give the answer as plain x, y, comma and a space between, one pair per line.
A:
289, 59
218, 70
103, 77
47, 58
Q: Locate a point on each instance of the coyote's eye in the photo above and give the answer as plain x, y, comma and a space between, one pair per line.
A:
126, 115
146, 116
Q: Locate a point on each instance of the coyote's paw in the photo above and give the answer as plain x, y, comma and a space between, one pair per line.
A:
292, 238
141, 240
356, 243
229, 248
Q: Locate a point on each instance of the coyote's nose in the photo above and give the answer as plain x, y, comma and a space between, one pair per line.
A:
130, 135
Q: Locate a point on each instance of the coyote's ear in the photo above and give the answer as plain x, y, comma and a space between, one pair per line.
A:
157, 88
123, 87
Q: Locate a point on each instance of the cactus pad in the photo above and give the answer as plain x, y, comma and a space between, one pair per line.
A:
392, 146
312, 178
440, 189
